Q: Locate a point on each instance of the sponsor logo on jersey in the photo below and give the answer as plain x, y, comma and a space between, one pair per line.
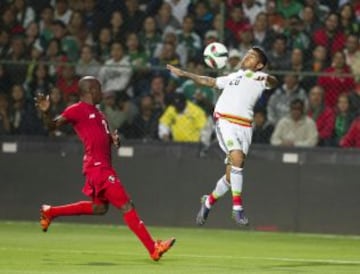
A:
111, 179
92, 116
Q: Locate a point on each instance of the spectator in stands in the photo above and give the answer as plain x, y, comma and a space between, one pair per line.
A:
118, 26
182, 121
87, 64
4, 43
202, 96
165, 20
352, 54
352, 137
311, 22
343, 119
262, 129
9, 23
295, 130
263, 35
296, 37
354, 98
237, 21
134, 16
279, 102
202, 18
157, 92
330, 36
321, 114
17, 56
25, 14
279, 57
68, 42
116, 73
62, 11
217, 27
96, 17
297, 60
288, 8
348, 21
233, 63
103, 45
31, 37
54, 55
251, 9
40, 81
187, 37
67, 81
24, 119
5, 126
320, 8
338, 82
168, 55
275, 20
145, 124
179, 8
5, 83
45, 25
149, 36
110, 108
316, 64
246, 40
77, 29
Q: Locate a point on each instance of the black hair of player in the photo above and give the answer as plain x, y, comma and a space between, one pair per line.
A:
262, 55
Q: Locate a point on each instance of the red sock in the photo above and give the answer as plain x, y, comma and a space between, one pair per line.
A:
212, 199
79, 208
237, 201
137, 226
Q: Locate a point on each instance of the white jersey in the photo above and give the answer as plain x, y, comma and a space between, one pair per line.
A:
240, 93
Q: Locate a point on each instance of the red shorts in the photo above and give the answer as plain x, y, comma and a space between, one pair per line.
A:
103, 186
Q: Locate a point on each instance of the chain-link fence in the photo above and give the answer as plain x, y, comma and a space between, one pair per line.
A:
312, 47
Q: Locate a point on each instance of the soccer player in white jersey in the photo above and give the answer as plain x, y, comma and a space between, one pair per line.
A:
233, 114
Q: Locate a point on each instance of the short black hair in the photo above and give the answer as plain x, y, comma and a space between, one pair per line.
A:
262, 54
297, 101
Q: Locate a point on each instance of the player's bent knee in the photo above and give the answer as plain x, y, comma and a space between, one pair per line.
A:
100, 209
127, 207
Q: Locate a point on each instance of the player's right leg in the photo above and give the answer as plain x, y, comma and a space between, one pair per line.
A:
207, 201
48, 213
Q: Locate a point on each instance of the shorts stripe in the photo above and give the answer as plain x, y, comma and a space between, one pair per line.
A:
221, 138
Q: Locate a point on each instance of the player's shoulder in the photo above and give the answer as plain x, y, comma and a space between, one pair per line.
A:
75, 106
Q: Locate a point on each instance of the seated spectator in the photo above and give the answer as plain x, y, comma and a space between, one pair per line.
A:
296, 37
36, 53
288, 8
77, 30
103, 45
352, 137
279, 102
157, 92
4, 43
110, 108
321, 114
40, 81
5, 83
263, 34
275, 20
236, 22
54, 55
5, 126
316, 64
67, 81
330, 36
202, 18
69, 45
134, 16
343, 119
251, 9
116, 73
179, 8
9, 23
87, 65
145, 124
262, 129
311, 22
352, 54
202, 96
295, 130
233, 63
25, 14
342, 83
118, 27
321, 8
149, 36
354, 98
246, 40
62, 11
348, 21
279, 57
45, 25
24, 119
188, 37
165, 20
31, 37
168, 55
57, 106
217, 28
182, 121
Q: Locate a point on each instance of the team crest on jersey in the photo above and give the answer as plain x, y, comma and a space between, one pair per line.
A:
230, 143
111, 179
92, 116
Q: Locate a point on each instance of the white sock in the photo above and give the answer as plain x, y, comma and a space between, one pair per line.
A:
222, 186
236, 180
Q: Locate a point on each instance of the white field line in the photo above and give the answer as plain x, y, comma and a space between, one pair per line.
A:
255, 258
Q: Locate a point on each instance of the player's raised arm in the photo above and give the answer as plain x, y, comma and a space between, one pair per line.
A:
199, 79
43, 104
271, 81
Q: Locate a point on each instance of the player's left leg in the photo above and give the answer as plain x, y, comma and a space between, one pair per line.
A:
236, 180
117, 196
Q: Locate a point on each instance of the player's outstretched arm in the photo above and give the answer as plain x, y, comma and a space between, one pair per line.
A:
271, 81
42, 103
116, 138
201, 80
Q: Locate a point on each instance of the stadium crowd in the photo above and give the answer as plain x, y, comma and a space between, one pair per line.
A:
312, 46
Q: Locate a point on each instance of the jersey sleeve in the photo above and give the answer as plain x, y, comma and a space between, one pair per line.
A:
71, 113
262, 82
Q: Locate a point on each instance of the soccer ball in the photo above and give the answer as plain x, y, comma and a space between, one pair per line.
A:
215, 55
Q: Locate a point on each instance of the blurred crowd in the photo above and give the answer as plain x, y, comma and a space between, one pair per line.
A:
312, 46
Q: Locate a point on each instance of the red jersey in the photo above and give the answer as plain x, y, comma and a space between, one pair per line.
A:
92, 128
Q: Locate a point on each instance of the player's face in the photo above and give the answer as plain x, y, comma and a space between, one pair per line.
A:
251, 61
96, 91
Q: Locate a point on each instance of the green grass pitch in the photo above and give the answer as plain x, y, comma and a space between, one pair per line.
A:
107, 249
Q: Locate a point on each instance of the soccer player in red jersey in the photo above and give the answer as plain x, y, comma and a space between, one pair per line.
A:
102, 184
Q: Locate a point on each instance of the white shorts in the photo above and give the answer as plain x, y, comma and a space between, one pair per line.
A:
232, 136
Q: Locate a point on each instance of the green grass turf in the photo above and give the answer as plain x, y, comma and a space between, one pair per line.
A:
106, 249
